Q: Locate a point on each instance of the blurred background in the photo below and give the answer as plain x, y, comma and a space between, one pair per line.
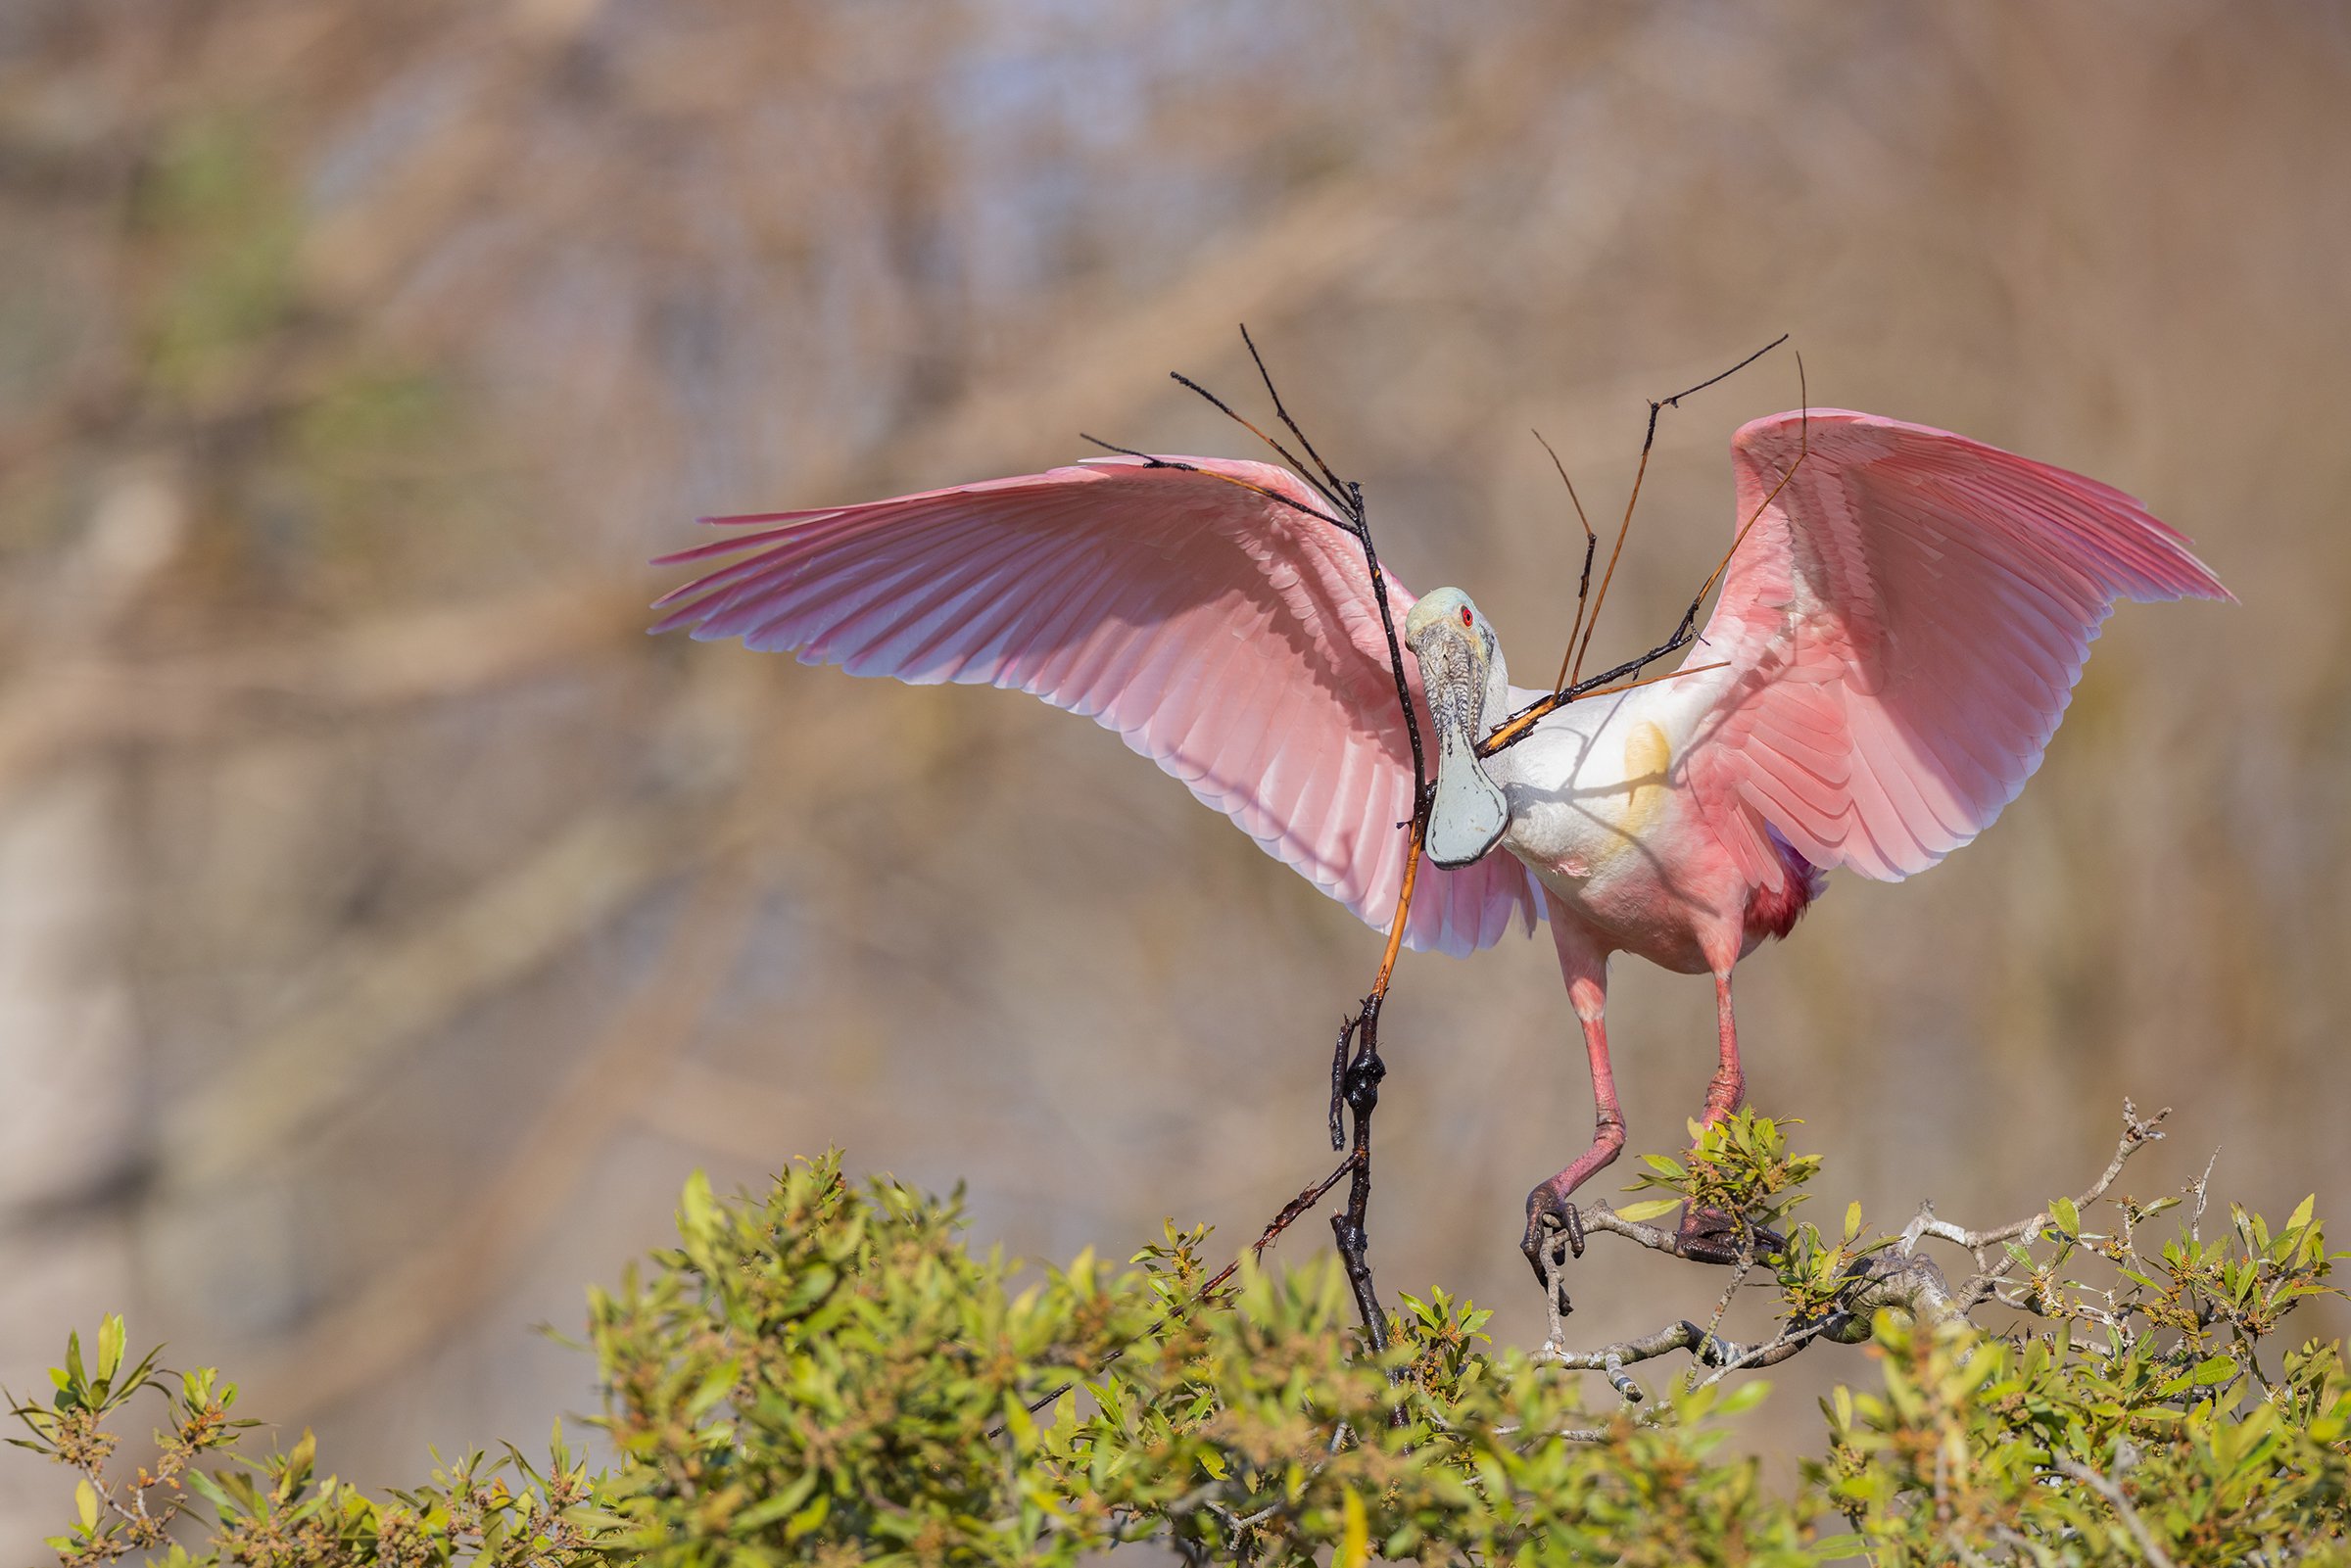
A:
386, 925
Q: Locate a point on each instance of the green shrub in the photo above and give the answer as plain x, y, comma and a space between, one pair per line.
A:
826, 1372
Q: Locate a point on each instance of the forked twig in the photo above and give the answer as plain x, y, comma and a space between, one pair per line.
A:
1648, 440
1356, 1072
1583, 583
1345, 497
1234, 480
1358, 1084
1519, 725
1284, 414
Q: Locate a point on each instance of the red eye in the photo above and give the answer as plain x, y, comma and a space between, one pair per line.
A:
1468, 619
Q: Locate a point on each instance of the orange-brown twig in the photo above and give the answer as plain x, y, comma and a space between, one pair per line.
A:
1583, 585
1517, 726
1403, 907
1525, 719
1615, 550
1648, 441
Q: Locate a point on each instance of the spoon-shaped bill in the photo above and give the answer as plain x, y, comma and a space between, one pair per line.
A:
1469, 813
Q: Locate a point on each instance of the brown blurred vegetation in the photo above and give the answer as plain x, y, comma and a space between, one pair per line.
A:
386, 926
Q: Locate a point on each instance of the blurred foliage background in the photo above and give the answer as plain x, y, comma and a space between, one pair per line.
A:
386, 924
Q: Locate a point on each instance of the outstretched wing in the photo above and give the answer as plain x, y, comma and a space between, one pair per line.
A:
1904, 624
1228, 636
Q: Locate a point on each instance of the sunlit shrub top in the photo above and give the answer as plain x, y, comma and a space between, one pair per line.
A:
827, 1372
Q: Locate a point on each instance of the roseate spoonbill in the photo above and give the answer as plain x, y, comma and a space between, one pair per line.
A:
1899, 628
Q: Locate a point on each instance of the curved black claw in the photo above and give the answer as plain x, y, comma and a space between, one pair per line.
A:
1713, 1236
1548, 1214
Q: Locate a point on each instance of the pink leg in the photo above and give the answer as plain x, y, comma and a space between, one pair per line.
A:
1729, 1085
1585, 966
1708, 1234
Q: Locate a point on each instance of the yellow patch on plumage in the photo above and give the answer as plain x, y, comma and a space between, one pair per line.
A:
1647, 756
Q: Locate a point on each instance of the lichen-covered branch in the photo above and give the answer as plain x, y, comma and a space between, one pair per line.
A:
1829, 1292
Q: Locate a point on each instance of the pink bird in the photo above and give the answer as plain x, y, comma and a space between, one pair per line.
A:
1899, 632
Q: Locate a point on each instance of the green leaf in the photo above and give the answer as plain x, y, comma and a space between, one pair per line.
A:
1018, 1422
304, 1455
1649, 1210
809, 1517
759, 1515
716, 1385
697, 1211
1745, 1397
110, 1347
211, 1492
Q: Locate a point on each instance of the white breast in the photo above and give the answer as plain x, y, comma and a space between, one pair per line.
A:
1597, 777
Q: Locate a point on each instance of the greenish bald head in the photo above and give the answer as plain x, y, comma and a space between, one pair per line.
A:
1459, 660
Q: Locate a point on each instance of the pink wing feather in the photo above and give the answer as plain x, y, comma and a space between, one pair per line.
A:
1228, 637
1905, 622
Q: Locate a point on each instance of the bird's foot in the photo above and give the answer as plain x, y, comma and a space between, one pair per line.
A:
1550, 1216
1551, 1222
1716, 1236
